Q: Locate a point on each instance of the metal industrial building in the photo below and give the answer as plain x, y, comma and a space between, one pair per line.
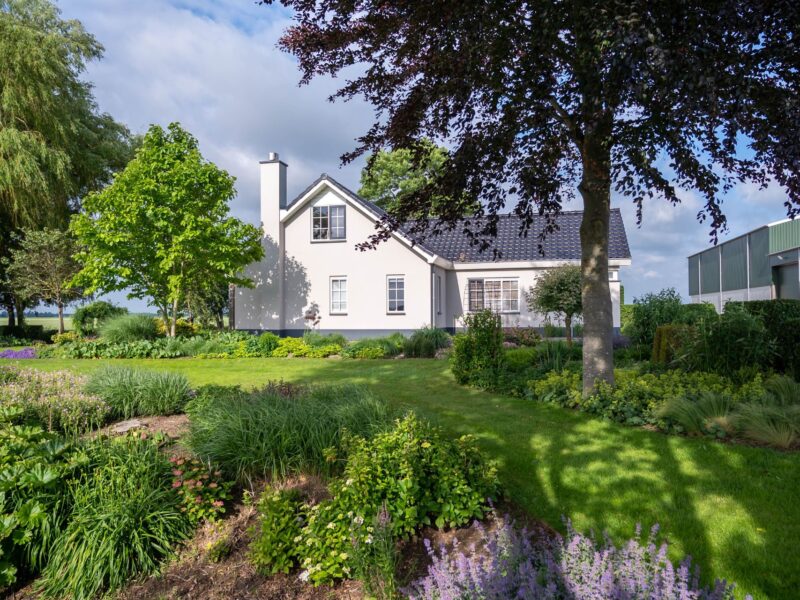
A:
759, 265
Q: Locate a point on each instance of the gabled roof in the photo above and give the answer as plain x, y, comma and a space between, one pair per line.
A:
454, 245
564, 244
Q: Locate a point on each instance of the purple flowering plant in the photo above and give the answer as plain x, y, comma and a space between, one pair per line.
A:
24, 353
506, 563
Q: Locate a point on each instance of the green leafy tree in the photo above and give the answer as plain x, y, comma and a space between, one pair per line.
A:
42, 268
391, 175
55, 145
207, 303
541, 100
163, 225
558, 291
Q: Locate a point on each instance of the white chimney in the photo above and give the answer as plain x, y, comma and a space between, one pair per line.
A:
273, 194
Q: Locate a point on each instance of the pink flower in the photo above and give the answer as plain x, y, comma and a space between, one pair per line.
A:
217, 503
177, 472
176, 484
212, 485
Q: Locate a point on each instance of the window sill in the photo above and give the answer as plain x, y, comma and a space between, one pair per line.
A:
327, 241
395, 313
337, 314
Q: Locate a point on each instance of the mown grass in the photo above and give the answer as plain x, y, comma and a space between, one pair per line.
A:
734, 508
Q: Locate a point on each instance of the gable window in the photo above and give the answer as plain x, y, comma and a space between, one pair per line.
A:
395, 294
328, 223
498, 295
338, 295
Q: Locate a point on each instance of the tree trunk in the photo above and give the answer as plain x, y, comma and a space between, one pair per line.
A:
568, 327
173, 326
12, 320
598, 324
20, 306
60, 317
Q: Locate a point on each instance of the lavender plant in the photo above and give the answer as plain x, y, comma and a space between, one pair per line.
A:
506, 563
24, 353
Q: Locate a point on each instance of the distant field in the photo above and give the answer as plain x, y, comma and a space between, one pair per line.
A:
49, 322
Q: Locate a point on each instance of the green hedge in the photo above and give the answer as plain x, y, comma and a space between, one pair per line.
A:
668, 342
781, 319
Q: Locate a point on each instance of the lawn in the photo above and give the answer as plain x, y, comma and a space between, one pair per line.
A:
734, 508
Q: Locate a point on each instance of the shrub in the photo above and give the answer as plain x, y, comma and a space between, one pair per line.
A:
552, 331
669, 341
324, 351
125, 520
314, 338
291, 347
27, 332
522, 336
478, 355
782, 320
267, 342
650, 311
505, 563
129, 328
424, 342
727, 343
65, 338
202, 489
183, 328
414, 474
274, 548
139, 392
56, 400
86, 320
271, 434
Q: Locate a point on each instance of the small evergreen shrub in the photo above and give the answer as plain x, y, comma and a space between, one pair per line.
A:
478, 355
267, 342
139, 392
129, 328
86, 320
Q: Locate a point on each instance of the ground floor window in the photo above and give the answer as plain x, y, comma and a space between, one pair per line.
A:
338, 295
498, 295
395, 294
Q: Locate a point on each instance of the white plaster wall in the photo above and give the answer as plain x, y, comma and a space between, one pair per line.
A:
313, 263
259, 307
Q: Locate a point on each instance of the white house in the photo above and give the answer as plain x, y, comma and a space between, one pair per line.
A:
311, 266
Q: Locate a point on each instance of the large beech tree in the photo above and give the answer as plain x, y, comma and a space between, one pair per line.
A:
537, 99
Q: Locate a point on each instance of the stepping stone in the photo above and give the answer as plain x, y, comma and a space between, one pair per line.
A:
129, 425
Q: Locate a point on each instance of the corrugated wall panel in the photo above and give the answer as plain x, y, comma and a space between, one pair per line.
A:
784, 236
709, 271
694, 273
760, 272
734, 265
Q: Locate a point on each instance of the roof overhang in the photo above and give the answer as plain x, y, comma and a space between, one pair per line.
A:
529, 264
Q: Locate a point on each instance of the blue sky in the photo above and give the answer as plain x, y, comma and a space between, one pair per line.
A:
214, 66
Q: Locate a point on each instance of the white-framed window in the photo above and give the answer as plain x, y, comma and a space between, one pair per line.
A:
437, 292
328, 223
395, 294
338, 295
498, 295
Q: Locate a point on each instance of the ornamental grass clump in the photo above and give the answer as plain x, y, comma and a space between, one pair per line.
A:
506, 563
139, 392
129, 328
280, 430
